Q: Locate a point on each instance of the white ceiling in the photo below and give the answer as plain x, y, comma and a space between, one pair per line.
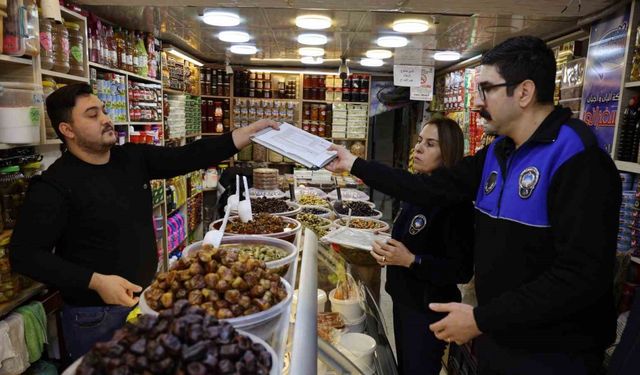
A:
469, 27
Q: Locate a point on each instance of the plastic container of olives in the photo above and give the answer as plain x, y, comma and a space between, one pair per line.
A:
261, 324
292, 211
71, 370
288, 234
368, 224
321, 211
283, 266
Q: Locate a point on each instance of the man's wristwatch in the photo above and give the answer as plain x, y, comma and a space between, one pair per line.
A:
417, 261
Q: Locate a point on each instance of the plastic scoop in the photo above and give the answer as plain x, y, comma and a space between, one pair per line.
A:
232, 201
214, 237
244, 206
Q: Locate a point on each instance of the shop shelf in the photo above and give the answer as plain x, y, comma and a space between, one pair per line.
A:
121, 124
212, 133
22, 297
68, 13
68, 77
174, 91
177, 209
632, 84
158, 205
144, 123
16, 60
124, 72
348, 139
627, 166
193, 135
272, 99
214, 97
53, 142
323, 101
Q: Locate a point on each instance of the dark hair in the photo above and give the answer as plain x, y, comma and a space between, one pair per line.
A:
450, 139
525, 57
60, 103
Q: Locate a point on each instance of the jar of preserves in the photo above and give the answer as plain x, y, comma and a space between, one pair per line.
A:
12, 191
76, 49
48, 86
46, 44
60, 36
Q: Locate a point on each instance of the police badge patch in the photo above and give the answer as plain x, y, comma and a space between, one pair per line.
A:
528, 181
417, 224
490, 184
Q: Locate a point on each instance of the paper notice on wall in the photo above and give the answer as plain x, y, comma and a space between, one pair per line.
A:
425, 91
407, 75
413, 56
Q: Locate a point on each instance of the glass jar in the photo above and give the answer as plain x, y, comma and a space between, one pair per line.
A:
31, 43
13, 42
12, 191
48, 86
60, 36
46, 44
76, 49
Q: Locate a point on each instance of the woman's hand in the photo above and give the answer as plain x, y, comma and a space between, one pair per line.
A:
392, 253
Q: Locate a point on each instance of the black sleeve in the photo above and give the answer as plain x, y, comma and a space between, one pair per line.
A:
583, 205
43, 219
446, 185
456, 266
167, 162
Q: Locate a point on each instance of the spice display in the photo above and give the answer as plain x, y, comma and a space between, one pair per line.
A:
181, 340
224, 283
365, 224
312, 200
46, 47
315, 223
261, 224
358, 208
60, 36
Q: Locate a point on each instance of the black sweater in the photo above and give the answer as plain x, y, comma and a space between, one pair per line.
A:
99, 217
544, 285
443, 238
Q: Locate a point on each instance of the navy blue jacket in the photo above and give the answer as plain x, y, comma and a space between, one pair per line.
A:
546, 232
443, 238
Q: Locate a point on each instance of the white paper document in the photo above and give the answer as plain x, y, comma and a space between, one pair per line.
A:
297, 144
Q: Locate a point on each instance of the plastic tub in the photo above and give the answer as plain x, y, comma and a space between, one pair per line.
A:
359, 349
356, 326
294, 209
287, 235
282, 265
71, 370
20, 112
328, 214
371, 204
351, 309
308, 190
353, 194
262, 324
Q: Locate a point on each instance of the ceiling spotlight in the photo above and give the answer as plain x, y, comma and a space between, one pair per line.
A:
243, 49
379, 54
234, 36
410, 26
220, 18
371, 62
311, 51
447, 56
392, 41
312, 39
311, 60
343, 70
313, 22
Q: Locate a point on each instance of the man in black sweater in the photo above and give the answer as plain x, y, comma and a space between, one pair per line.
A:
93, 206
547, 200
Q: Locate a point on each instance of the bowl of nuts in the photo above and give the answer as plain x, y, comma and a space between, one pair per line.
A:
371, 225
278, 254
266, 225
180, 340
228, 285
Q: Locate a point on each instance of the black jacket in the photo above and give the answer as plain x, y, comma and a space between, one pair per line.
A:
443, 238
546, 232
99, 217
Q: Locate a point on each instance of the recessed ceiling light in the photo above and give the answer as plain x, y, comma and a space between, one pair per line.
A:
447, 56
392, 41
234, 36
311, 60
379, 54
312, 39
243, 49
410, 25
371, 62
313, 22
311, 51
220, 18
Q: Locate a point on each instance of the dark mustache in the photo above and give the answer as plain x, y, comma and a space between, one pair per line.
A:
485, 114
